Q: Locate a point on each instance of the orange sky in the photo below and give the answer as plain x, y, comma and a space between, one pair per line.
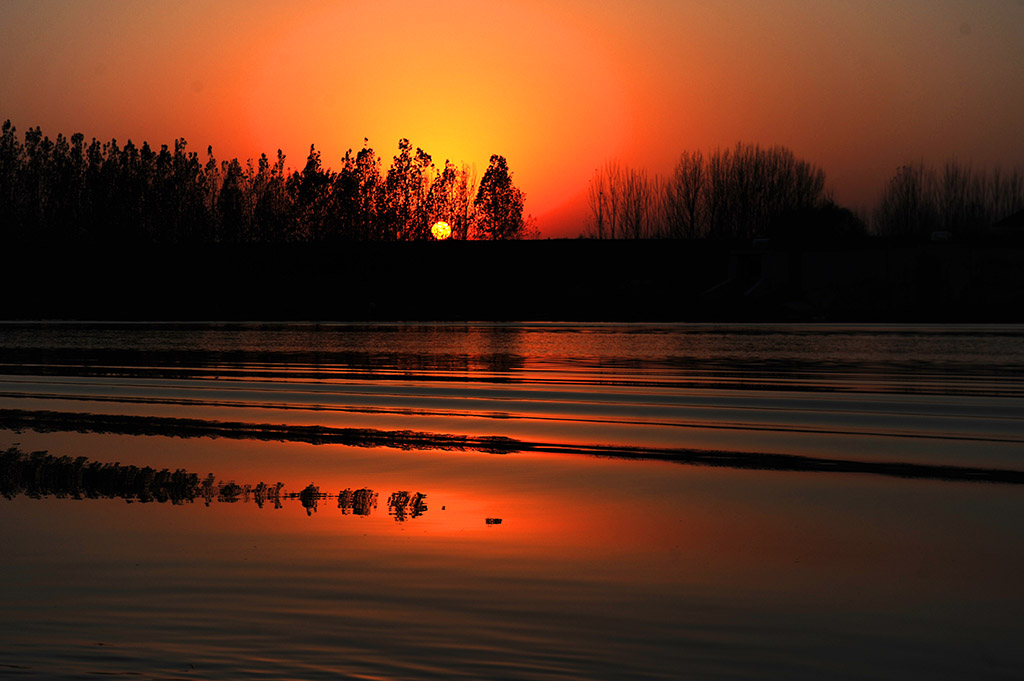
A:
557, 88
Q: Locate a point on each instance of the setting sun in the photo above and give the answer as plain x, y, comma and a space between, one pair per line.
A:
441, 231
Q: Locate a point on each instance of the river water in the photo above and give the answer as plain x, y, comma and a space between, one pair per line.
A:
514, 501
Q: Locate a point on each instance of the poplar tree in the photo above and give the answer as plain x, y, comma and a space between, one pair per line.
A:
499, 204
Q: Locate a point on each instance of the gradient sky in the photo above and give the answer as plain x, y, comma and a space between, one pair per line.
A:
558, 88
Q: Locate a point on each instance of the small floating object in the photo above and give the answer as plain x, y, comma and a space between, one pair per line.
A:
492, 521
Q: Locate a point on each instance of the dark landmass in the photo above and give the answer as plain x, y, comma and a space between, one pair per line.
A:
105, 232
552, 280
81, 422
52, 421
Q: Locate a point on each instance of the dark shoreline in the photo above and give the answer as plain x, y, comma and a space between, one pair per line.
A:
16, 420
552, 280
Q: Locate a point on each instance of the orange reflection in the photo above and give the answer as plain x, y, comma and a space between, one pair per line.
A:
648, 521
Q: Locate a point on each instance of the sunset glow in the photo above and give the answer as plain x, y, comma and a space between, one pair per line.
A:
720, 369
558, 88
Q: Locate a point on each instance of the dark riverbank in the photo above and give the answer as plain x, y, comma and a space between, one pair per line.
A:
526, 280
18, 473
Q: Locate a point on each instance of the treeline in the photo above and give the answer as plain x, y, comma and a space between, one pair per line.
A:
750, 192
738, 193
957, 200
68, 191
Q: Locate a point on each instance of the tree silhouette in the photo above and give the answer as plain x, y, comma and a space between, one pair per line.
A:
735, 193
499, 204
597, 199
638, 209
449, 200
960, 201
65, 190
405, 193
311, 192
357, 193
231, 208
684, 204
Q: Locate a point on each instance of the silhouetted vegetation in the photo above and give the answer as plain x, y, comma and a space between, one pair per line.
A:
499, 204
749, 192
739, 193
65, 190
958, 201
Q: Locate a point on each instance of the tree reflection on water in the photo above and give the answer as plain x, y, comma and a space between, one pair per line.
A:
17, 420
404, 504
357, 502
40, 474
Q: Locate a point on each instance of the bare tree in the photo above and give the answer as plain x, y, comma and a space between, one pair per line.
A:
959, 200
684, 197
1005, 192
597, 199
638, 203
623, 203
733, 193
905, 206
613, 171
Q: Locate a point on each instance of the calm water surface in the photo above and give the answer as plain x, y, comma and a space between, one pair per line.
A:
521, 501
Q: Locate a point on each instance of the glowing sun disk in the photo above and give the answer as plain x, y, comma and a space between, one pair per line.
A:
441, 230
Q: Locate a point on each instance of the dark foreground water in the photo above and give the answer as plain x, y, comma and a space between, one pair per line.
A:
512, 502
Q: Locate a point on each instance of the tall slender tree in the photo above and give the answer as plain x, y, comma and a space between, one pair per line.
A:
499, 204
